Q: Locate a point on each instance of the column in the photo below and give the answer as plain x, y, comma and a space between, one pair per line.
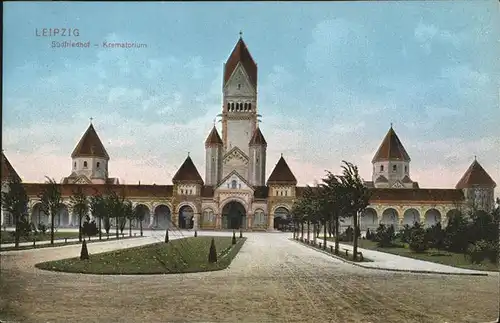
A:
218, 221
195, 221
270, 222
249, 221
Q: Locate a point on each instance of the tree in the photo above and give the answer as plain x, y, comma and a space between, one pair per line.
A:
98, 210
15, 201
80, 205
114, 207
358, 197
297, 216
51, 200
84, 253
128, 213
212, 254
334, 202
139, 215
166, 236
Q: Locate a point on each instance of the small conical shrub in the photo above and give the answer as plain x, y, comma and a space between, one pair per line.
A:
234, 237
195, 233
212, 254
241, 233
166, 237
84, 254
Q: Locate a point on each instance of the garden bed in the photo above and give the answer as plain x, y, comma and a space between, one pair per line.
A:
185, 255
8, 237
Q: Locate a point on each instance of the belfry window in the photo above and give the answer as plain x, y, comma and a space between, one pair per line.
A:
381, 168
74, 165
239, 86
394, 168
98, 164
85, 164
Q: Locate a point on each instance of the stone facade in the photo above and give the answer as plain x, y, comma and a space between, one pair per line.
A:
234, 193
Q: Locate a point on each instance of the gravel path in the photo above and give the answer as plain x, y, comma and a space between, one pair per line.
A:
272, 279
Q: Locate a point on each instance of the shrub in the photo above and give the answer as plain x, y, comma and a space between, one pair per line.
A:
84, 254
405, 233
385, 236
436, 236
418, 241
455, 236
90, 229
369, 235
482, 250
42, 228
166, 237
212, 254
195, 233
234, 238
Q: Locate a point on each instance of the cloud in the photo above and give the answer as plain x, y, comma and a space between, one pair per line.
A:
427, 34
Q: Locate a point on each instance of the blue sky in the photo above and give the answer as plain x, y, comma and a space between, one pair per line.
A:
332, 77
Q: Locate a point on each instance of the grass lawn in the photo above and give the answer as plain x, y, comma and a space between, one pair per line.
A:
178, 256
8, 236
432, 255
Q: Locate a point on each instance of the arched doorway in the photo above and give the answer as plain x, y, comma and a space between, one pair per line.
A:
390, 217
282, 219
369, 219
432, 217
162, 218
410, 217
38, 216
62, 217
234, 216
143, 210
186, 217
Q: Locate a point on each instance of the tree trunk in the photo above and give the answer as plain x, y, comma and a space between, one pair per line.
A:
129, 227
140, 224
314, 232
100, 232
294, 229
52, 218
117, 228
302, 229
355, 242
324, 234
308, 230
17, 235
80, 216
337, 247
330, 227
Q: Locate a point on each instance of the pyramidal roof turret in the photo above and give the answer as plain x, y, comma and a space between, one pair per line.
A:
213, 138
90, 145
475, 176
187, 173
240, 54
258, 138
391, 149
281, 174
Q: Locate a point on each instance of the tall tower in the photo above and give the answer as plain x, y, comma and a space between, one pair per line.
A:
391, 164
213, 158
478, 187
239, 112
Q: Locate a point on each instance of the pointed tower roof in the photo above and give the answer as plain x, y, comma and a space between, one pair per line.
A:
258, 138
282, 174
90, 145
213, 138
187, 173
8, 171
391, 149
240, 54
475, 176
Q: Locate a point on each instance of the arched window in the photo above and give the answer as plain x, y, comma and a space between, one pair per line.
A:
232, 106
393, 168
381, 168
85, 164
228, 105
249, 106
98, 164
74, 165
239, 86
233, 184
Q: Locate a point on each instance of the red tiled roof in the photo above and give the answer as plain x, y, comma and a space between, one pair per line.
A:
282, 174
391, 149
428, 195
475, 176
257, 138
187, 173
7, 170
90, 145
407, 179
33, 189
240, 54
213, 138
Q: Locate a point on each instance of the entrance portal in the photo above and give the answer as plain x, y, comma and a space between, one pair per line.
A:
234, 216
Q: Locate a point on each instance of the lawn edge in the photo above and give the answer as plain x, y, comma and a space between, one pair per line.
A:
225, 262
413, 271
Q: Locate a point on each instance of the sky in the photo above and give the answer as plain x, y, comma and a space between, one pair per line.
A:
332, 78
